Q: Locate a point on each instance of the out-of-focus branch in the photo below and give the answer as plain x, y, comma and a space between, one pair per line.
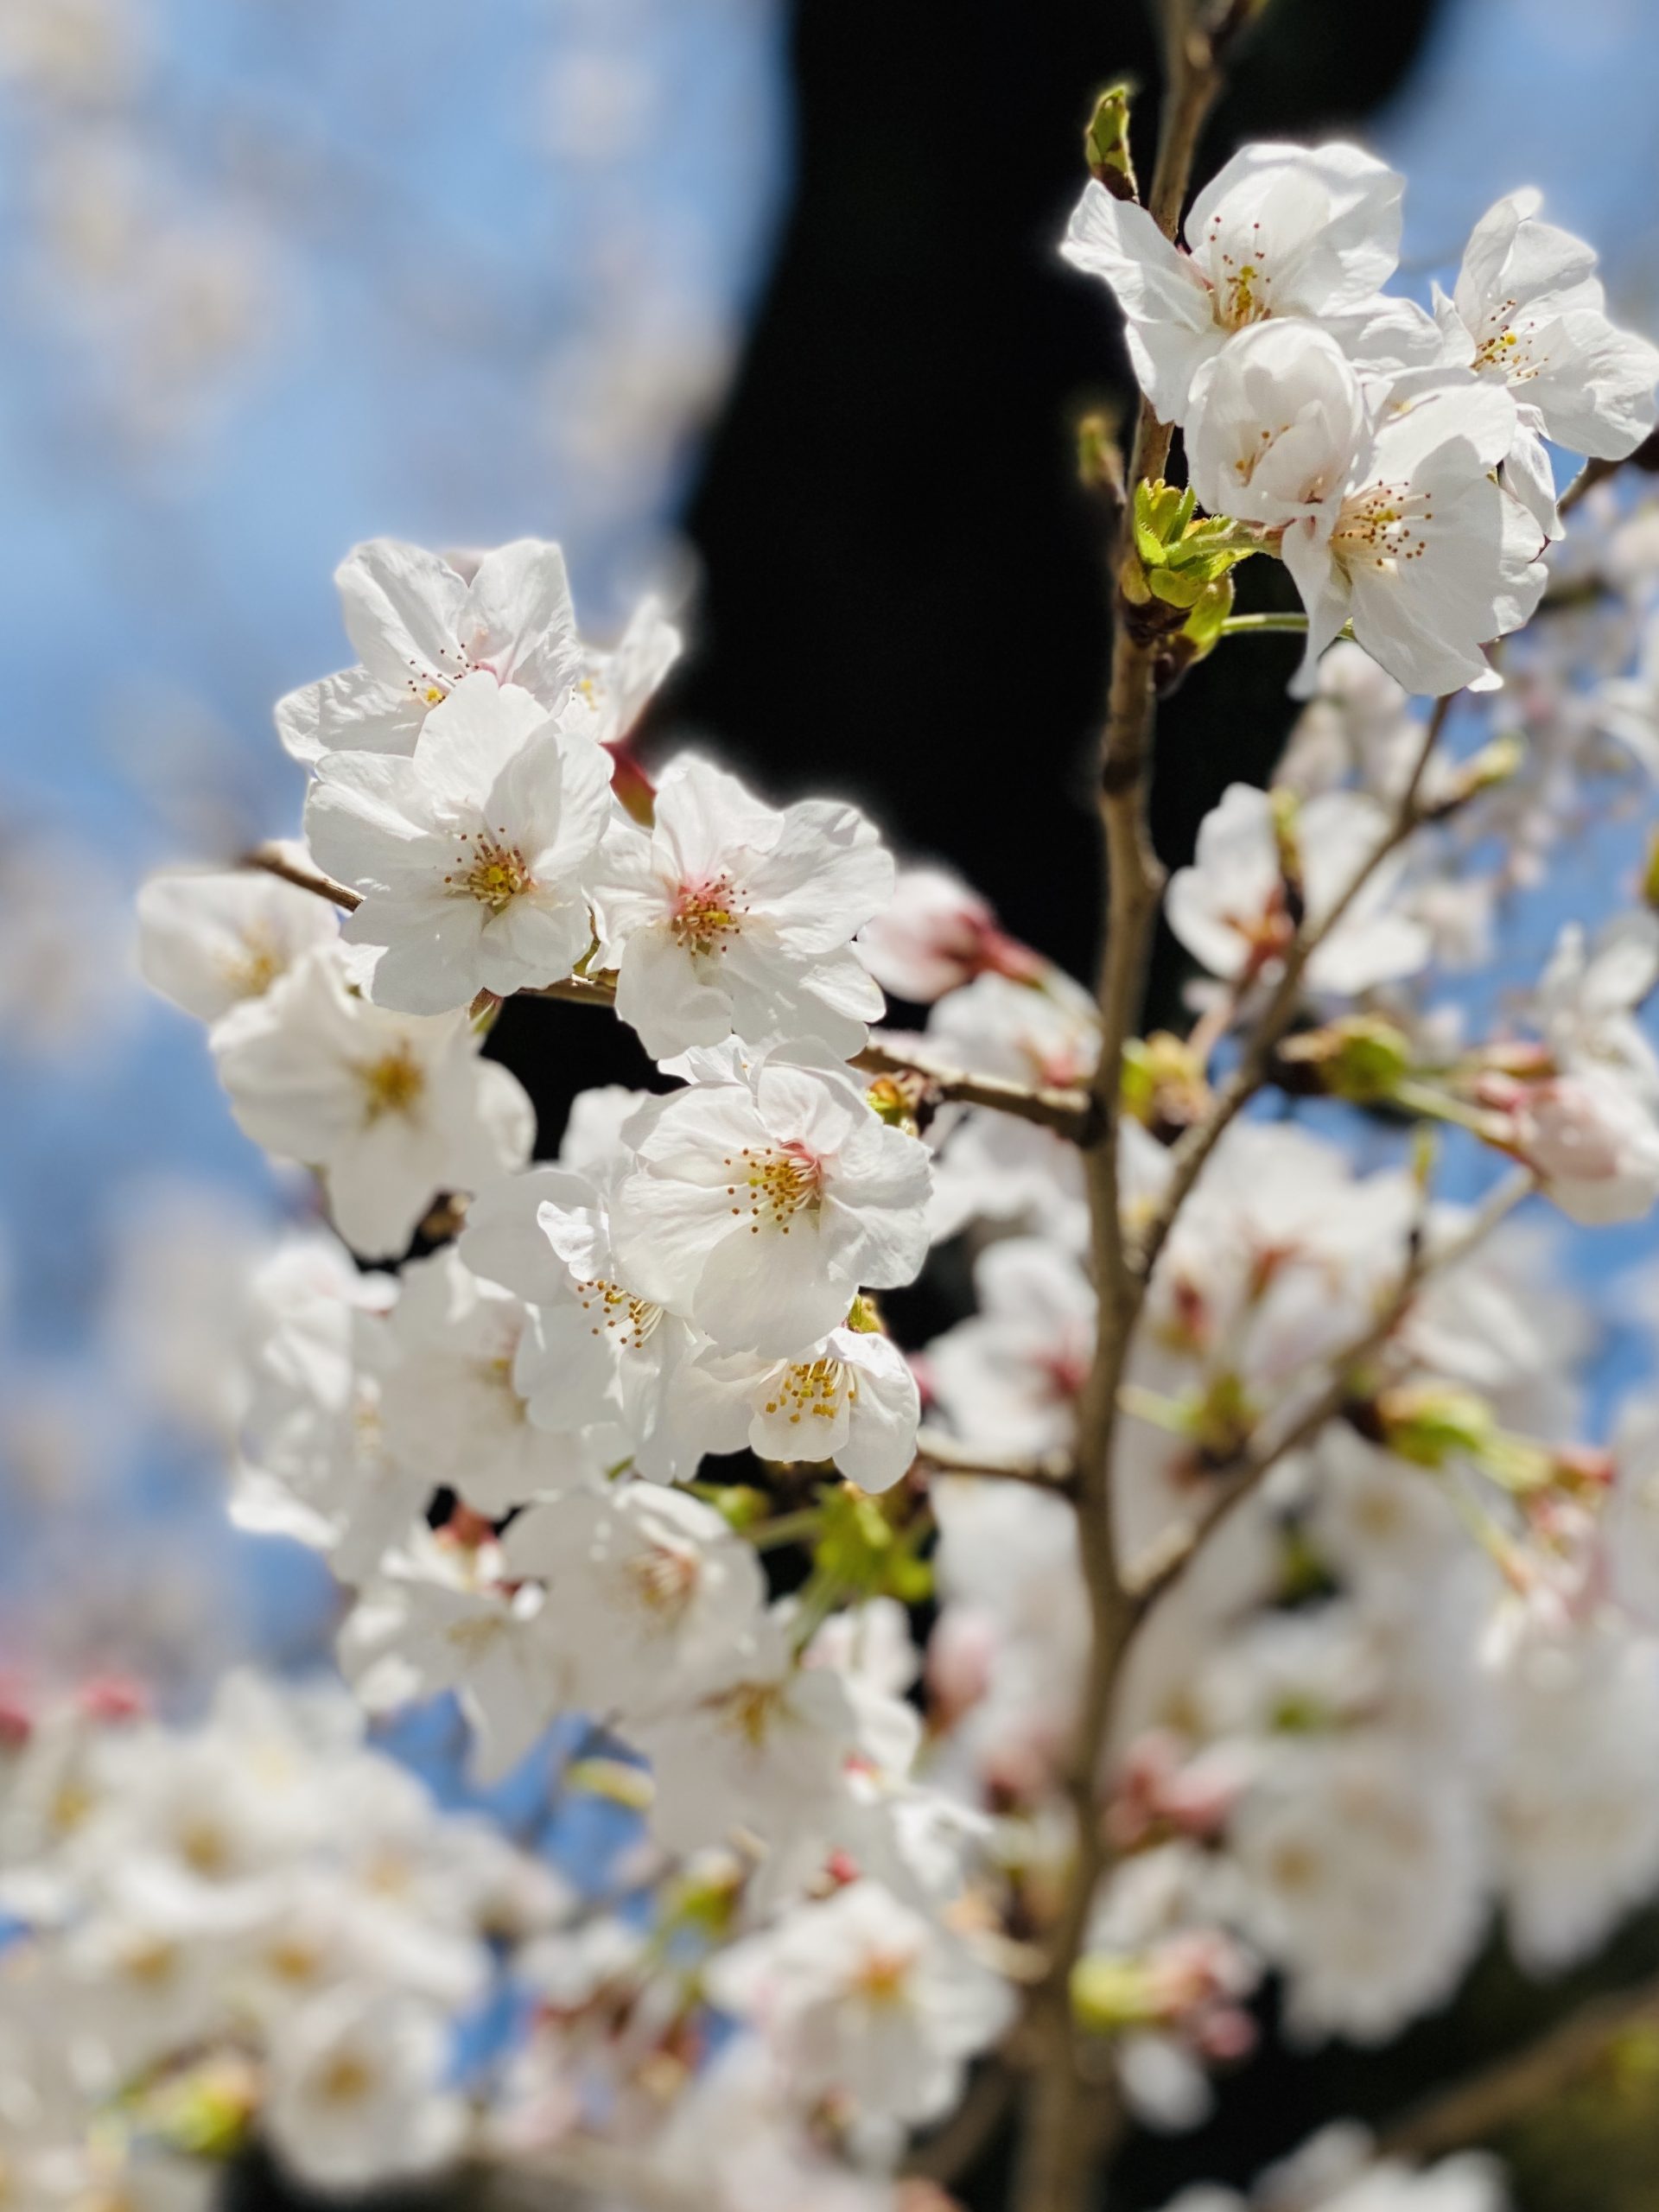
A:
1233, 1485
1522, 2083
1192, 1152
1052, 1471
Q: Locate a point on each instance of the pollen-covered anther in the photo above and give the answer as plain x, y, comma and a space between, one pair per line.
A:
394, 1083
708, 914
1381, 527
630, 1322
663, 1580
813, 1388
489, 870
781, 1184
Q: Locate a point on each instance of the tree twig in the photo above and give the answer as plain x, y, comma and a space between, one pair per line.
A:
1069, 2122
1520, 2083
1192, 1154
292, 863
1051, 1471
1233, 1485
1067, 1112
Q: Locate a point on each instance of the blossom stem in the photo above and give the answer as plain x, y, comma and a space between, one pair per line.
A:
1192, 1154
1052, 1106
1286, 622
1233, 1486
1069, 2122
787, 1529
290, 861
1053, 1471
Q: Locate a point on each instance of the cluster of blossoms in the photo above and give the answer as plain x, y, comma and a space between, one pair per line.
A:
1395, 460
258, 1920
1396, 1665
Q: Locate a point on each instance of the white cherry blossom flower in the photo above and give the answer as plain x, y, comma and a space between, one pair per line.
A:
421, 624
1576, 1797
1229, 908
1280, 421
764, 1746
317, 1464
1357, 727
1365, 1883
453, 1407
729, 917
1008, 1378
1593, 1141
935, 934
1424, 552
991, 1165
850, 1397
1589, 994
863, 1996
390, 1109
439, 1618
758, 1206
1528, 310
596, 1351
471, 853
1280, 231
650, 1592
614, 686
209, 938
358, 2091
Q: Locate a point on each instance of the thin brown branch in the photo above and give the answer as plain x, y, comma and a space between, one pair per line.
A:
1051, 1471
1233, 1485
1523, 2082
290, 862
1070, 2122
1066, 1112
1192, 1154
957, 2144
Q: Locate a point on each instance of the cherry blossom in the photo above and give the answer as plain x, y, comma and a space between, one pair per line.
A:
935, 934
861, 1994
728, 918
472, 852
1425, 554
317, 1464
1281, 231
758, 1206
648, 1587
421, 625
208, 940
390, 1109
1232, 911
850, 1397
452, 1406
596, 1355
1528, 310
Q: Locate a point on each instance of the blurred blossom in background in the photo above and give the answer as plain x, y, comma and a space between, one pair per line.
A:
280, 274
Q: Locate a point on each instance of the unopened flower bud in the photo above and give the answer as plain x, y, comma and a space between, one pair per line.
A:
1362, 1058
1430, 1423
1106, 144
